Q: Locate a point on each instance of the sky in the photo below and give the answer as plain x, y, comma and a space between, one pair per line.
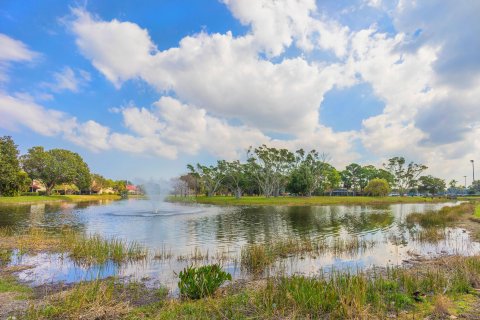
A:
141, 89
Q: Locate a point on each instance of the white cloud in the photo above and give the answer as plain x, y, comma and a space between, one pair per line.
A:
21, 111
275, 25
12, 50
68, 80
120, 50
426, 71
220, 73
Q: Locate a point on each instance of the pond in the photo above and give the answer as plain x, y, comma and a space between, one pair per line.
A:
180, 234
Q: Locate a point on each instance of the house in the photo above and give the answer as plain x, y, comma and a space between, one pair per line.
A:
37, 186
132, 189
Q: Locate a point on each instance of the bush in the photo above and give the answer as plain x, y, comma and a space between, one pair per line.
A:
196, 283
29, 194
378, 188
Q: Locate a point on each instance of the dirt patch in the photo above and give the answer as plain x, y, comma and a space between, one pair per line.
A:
10, 305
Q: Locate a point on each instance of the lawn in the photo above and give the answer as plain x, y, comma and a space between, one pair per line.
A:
301, 201
477, 211
57, 198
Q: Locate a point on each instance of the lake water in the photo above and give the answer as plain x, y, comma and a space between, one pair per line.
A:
221, 232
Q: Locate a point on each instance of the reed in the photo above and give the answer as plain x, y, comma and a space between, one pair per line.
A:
95, 249
442, 217
256, 257
82, 248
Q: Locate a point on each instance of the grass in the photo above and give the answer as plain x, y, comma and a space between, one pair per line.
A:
301, 201
95, 249
442, 217
256, 257
9, 283
438, 288
477, 211
85, 249
57, 198
430, 235
90, 300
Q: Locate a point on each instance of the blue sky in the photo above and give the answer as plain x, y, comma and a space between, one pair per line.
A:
142, 89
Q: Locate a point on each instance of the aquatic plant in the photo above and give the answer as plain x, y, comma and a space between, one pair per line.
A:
440, 218
256, 257
95, 249
196, 283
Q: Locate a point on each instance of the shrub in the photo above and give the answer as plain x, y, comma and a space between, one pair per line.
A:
378, 188
196, 283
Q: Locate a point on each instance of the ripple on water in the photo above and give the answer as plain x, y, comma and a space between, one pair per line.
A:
220, 233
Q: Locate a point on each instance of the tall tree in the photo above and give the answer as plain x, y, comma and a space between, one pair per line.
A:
211, 177
235, 176
9, 167
309, 174
352, 176
56, 166
431, 184
270, 167
405, 176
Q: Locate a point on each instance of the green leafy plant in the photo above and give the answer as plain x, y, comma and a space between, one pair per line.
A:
196, 283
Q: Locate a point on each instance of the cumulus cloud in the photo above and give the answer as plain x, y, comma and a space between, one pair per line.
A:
68, 80
220, 73
20, 110
120, 50
275, 25
425, 70
12, 50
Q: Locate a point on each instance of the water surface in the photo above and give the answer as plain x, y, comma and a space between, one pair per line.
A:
220, 232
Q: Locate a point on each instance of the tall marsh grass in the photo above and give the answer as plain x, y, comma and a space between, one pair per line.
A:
88, 249
256, 257
440, 218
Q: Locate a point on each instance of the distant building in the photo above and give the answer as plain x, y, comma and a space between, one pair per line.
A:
342, 192
132, 189
37, 186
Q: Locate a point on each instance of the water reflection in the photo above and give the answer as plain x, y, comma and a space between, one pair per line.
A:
223, 231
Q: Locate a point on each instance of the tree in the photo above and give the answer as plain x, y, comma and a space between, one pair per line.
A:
9, 167
405, 177
453, 184
310, 173
210, 176
270, 167
377, 187
475, 187
431, 184
235, 177
351, 176
56, 166
98, 182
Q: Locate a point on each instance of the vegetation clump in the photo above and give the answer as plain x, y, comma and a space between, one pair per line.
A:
256, 257
92, 249
377, 188
196, 283
442, 217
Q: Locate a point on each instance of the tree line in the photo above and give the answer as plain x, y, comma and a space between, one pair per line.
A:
272, 172
53, 168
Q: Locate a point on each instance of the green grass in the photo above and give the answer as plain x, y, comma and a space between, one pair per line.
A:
442, 217
85, 249
446, 285
477, 211
95, 249
301, 201
256, 257
9, 284
57, 198
384, 294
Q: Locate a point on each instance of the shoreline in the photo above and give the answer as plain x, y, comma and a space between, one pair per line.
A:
303, 201
408, 290
26, 200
